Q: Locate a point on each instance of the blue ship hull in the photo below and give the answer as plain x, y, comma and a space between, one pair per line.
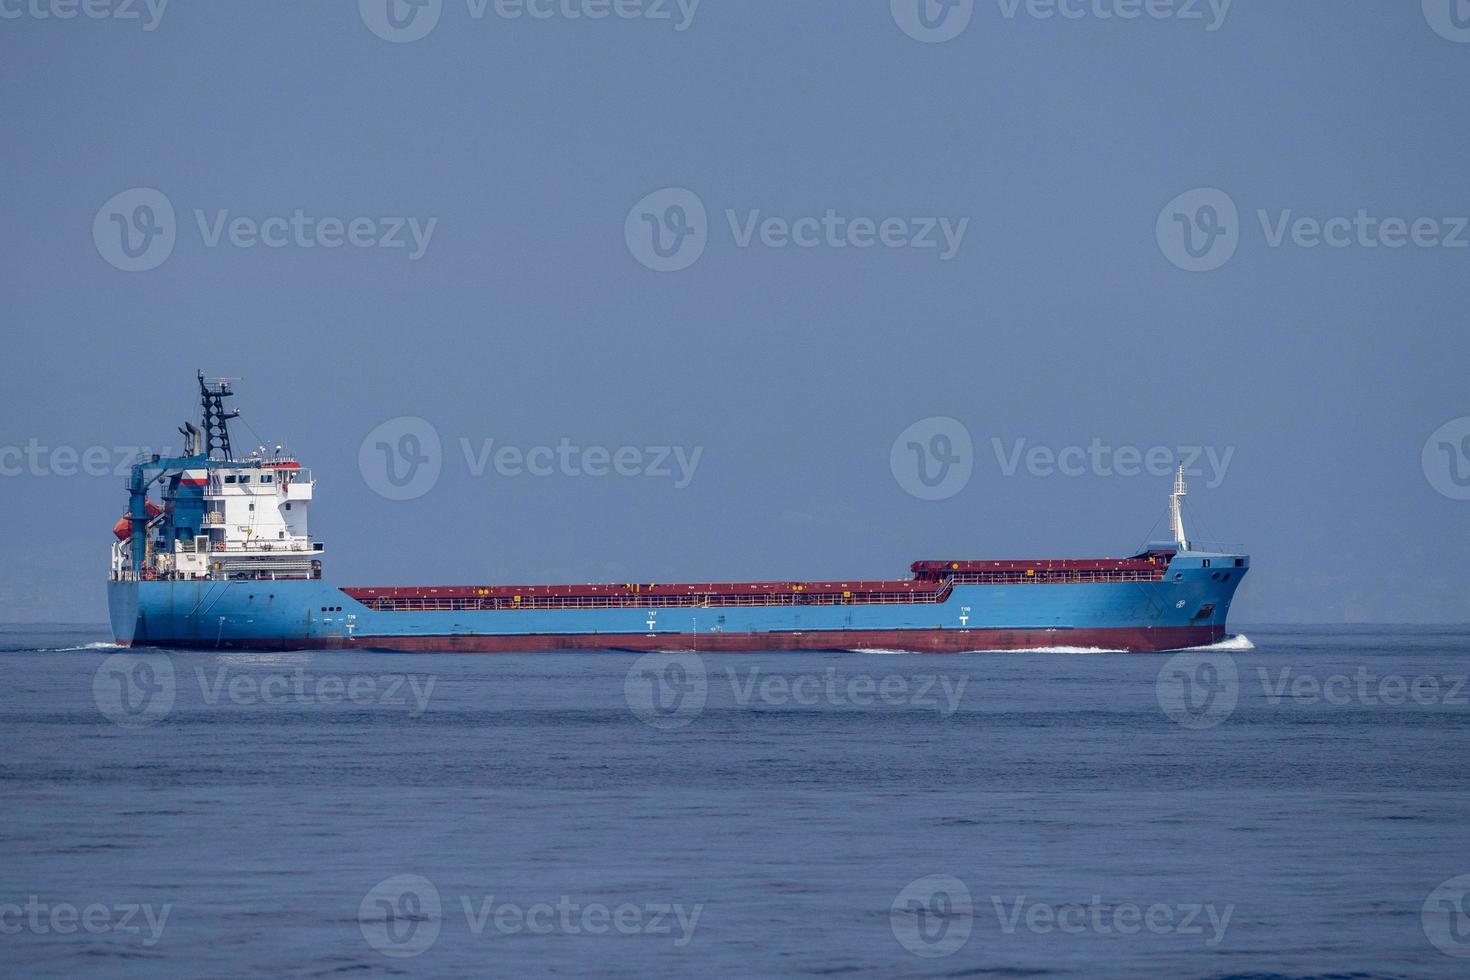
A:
1187, 607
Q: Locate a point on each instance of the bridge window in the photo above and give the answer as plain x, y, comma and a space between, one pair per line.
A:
229, 479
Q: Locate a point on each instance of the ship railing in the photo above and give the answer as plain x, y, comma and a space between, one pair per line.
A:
694, 601
217, 483
228, 547
1218, 547
1057, 576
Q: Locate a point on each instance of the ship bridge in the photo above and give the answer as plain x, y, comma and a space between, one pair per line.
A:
219, 517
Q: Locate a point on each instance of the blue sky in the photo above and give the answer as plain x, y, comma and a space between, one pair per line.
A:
987, 226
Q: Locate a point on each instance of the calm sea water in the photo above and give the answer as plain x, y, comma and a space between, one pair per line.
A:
1292, 805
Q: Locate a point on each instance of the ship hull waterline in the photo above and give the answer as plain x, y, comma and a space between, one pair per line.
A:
1112, 640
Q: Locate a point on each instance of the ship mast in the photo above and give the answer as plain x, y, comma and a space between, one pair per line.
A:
216, 419
1176, 512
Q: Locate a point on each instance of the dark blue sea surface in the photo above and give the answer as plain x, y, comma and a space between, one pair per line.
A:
1290, 805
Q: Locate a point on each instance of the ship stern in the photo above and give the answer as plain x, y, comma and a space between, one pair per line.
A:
122, 611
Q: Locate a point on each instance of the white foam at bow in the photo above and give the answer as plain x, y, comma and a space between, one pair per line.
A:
1235, 641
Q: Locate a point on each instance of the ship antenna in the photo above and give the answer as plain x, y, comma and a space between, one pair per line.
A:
1176, 510
216, 430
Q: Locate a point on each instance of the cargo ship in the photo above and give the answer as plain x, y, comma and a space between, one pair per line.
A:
222, 558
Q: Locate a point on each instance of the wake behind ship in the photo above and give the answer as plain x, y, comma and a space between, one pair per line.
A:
223, 559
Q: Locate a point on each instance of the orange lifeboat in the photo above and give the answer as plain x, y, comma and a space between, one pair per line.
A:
123, 528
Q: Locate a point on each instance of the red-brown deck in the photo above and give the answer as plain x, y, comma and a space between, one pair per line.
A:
931, 583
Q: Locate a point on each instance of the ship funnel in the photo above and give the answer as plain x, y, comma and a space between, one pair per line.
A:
1176, 510
193, 438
